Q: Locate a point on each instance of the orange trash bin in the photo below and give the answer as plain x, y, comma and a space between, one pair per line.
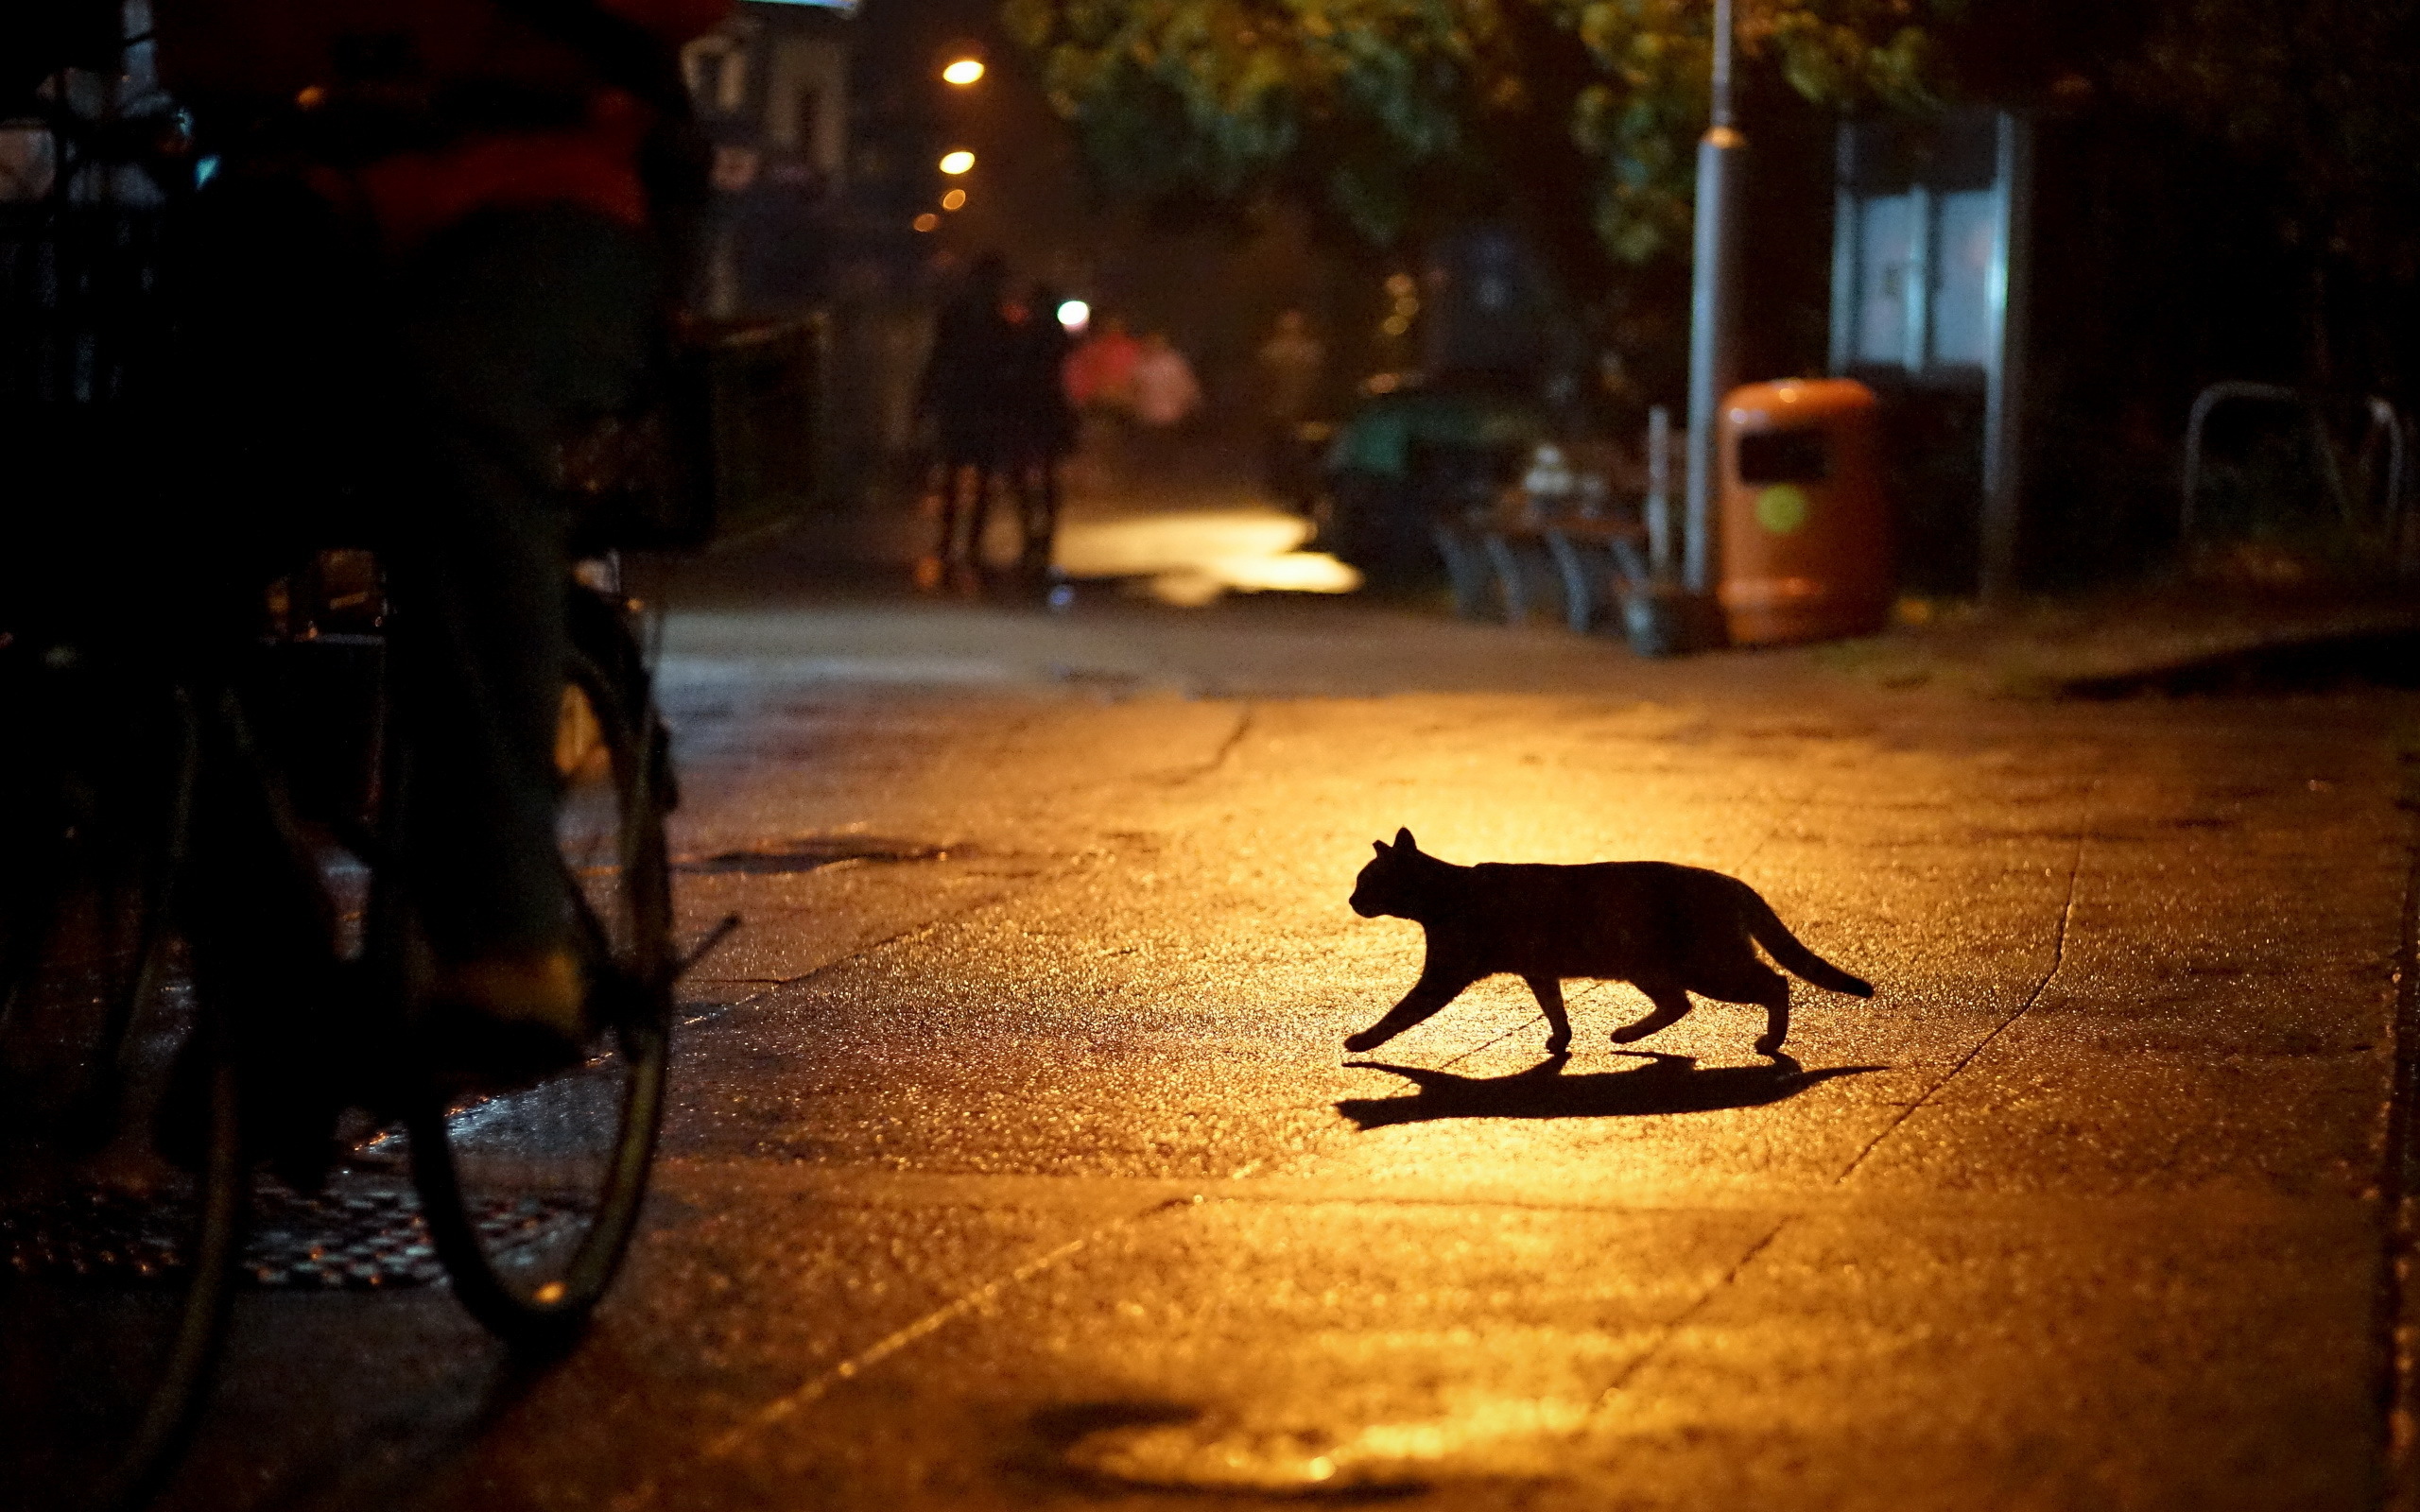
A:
1805, 535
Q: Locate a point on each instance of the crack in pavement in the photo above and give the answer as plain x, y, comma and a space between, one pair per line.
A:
2058, 959
1227, 745
1671, 1331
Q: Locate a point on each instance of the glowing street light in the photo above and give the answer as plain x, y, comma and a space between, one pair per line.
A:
956, 162
927, 221
954, 200
1074, 316
963, 71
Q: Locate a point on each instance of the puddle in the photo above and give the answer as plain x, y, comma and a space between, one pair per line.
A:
1205, 1456
1157, 1447
1193, 558
812, 852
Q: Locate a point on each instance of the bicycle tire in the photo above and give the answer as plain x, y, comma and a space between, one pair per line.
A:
530, 1224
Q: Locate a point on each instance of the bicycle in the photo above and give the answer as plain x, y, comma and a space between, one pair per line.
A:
530, 1196
118, 1264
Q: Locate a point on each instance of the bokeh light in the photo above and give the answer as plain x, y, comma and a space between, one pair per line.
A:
927, 221
956, 162
954, 199
963, 71
1074, 316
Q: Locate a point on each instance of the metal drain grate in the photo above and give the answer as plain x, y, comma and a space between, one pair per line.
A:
350, 1240
356, 1241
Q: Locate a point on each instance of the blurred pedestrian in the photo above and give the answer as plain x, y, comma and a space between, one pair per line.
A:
1101, 382
1165, 396
964, 394
1042, 423
1292, 364
1100, 371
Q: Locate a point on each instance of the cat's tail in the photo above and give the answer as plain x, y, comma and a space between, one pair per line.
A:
1769, 931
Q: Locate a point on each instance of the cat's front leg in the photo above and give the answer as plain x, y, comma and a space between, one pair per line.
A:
1427, 996
1549, 991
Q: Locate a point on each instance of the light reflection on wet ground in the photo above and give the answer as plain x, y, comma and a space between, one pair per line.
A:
1190, 558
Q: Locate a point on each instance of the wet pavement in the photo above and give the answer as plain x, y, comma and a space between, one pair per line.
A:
1013, 1159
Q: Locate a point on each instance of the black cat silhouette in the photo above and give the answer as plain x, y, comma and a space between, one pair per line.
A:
1668, 930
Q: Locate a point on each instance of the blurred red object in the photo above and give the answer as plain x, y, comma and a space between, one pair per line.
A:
409, 64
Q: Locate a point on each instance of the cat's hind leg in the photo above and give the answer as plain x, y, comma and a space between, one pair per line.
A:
1671, 1005
1548, 990
1762, 986
1776, 1016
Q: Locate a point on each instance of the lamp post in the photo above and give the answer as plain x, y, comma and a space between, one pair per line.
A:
1714, 305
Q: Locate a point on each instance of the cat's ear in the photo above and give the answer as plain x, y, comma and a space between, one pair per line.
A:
1403, 838
1379, 846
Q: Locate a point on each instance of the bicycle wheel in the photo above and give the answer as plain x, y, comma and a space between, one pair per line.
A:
531, 1196
117, 1267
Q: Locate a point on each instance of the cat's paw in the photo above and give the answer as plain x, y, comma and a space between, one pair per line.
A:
1364, 1040
1769, 1045
1626, 1032
1558, 1043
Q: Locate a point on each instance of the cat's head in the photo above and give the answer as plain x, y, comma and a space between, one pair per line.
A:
1391, 883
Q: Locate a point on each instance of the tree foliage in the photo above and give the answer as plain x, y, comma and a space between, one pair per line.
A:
2322, 97
1578, 115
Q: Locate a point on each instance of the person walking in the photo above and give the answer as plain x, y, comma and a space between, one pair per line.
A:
1041, 423
1101, 373
1165, 396
1166, 393
965, 395
1292, 363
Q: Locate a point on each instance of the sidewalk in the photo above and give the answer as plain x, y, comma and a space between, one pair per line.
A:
2090, 1207
838, 588
1011, 1161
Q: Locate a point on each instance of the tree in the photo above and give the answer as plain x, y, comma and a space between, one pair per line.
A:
2316, 102
1575, 117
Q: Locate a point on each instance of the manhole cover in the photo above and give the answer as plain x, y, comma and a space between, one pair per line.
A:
810, 853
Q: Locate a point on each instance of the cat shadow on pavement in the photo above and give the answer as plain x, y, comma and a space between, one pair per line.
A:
1666, 1084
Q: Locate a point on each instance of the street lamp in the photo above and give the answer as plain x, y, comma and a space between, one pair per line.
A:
957, 161
1714, 304
963, 71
